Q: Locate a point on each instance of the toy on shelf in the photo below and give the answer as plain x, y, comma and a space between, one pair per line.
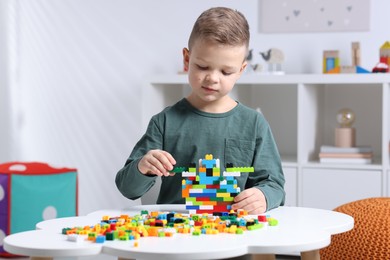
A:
210, 190
331, 61
275, 58
384, 59
166, 224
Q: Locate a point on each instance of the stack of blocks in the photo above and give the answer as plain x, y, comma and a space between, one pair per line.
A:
209, 191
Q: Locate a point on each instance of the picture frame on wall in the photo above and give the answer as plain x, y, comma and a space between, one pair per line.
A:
300, 16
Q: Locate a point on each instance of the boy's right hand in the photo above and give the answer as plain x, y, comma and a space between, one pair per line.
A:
157, 162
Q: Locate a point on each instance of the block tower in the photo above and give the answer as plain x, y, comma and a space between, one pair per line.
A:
209, 191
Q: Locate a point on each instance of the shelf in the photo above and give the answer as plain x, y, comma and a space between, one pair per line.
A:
317, 165
301, 110
253, 78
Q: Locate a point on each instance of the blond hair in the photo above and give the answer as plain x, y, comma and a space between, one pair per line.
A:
221, 25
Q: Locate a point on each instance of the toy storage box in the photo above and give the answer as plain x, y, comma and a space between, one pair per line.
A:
33, 192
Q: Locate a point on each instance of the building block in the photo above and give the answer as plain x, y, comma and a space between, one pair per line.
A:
361, 70
33, 192
331, 60
208, 191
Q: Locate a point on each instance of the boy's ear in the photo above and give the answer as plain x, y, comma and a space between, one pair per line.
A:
244, 64
186, 59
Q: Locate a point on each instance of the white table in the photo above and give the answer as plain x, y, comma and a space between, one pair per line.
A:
304, 230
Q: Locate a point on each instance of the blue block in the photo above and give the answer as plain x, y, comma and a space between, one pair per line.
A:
192, 207
211, 191
209, 163
202, 195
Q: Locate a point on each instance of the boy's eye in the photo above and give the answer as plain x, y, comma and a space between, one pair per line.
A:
202, 67
227, 73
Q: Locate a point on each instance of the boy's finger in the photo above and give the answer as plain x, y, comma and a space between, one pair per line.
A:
170, 158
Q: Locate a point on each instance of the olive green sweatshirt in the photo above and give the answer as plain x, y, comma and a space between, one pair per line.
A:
240, 136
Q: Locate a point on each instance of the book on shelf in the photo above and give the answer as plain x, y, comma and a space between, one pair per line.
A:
346, 160
335, 149
347, 155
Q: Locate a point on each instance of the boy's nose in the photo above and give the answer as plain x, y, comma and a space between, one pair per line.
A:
212, 77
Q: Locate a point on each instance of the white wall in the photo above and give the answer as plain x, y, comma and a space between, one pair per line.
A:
4, 92
82, 67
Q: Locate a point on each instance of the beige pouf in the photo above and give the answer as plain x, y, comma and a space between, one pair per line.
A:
370, 237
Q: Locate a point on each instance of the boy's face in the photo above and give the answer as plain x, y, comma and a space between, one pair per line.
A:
213, 69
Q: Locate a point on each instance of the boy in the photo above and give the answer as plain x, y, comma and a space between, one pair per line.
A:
208, 121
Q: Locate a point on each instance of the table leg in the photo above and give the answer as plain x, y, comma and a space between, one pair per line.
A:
263, 257
311, 255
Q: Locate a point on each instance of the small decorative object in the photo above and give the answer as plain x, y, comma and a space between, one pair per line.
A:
345, 133
274, 57
384, 59
252, 66
331, 61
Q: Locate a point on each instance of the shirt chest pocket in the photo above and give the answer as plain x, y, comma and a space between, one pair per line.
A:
239, 152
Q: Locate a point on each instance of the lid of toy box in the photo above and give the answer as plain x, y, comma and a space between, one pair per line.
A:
32, 168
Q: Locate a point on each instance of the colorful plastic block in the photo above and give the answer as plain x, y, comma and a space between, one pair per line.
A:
210, 186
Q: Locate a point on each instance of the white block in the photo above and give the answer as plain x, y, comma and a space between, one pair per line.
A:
188, 174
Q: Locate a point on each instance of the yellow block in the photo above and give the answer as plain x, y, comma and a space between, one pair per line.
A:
223, 195
208, 157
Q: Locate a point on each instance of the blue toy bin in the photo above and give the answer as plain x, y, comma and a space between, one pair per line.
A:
33, 192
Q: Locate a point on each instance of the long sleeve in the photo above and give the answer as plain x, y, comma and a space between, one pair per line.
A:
270, 178
129, 180
241, 136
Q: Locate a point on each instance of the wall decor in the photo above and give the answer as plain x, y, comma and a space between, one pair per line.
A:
291, 16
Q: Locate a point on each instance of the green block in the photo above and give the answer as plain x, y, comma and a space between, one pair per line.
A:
255, 226
216, 199
124, 237
110, 236
272, 222
179, 169
240, 169
199, 186
228, 198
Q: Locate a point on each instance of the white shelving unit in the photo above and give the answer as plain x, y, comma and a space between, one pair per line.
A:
301, 110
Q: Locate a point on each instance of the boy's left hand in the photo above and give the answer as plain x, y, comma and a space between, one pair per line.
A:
252, 200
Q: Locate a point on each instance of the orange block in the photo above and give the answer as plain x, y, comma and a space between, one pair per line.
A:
334, 71
209, 203
153, 231
185, 193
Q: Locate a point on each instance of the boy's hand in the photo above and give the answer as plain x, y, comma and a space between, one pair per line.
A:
252, 200
157, 162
